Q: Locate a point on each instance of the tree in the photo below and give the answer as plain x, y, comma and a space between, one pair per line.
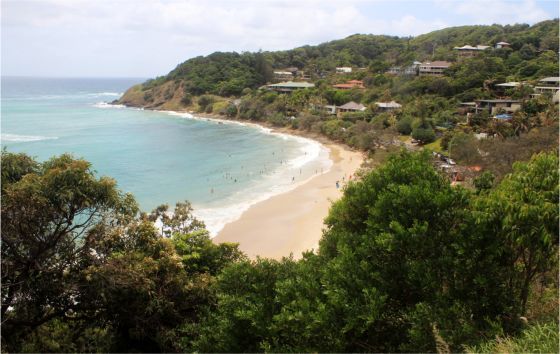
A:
404, 125
423, 134
83, 271
523, 212
245, 307
56, 220
484, 182
393, 259
463, 148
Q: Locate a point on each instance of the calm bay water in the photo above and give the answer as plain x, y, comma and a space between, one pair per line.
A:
160, 157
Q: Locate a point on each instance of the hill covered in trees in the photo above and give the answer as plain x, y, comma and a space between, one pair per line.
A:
228, 74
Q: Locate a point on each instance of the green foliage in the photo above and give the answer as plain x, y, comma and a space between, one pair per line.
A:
404, 125
83, 271
187, 99
539, 338
209, 74
245, 307
423, 132
278, 120
406, 263
54, 214
484, 182
523, 212
231, 110
463, 148
204, 102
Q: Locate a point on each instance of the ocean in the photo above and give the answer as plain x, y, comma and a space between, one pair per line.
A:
222, 168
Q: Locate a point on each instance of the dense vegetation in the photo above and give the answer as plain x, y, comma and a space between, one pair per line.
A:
229, 73
408, 263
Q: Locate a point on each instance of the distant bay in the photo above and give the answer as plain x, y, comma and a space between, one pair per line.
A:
160, 157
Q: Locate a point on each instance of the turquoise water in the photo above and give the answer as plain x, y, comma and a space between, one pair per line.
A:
160, 157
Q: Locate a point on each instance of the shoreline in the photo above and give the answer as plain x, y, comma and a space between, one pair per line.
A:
293, 219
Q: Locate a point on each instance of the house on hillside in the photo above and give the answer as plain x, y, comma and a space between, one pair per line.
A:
494, 107
327, 108
289, 86
500, 45
350, 85
548, 85
466, 108
468, 51
283, 75
406, 70
500, 89
343, 70
350, 107
435, 68
388, 106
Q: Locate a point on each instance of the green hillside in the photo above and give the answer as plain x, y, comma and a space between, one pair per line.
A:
533, 53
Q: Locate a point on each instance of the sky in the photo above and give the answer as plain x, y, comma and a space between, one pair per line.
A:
147, 38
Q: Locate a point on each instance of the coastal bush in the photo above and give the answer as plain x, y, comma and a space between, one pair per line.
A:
187, 99
205, 101
278, 120
231, 110
539, 338
404, 125
82, 270
423, 134
463, 148
115, 284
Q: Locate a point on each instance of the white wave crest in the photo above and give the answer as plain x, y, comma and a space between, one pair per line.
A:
25, 138
108, 105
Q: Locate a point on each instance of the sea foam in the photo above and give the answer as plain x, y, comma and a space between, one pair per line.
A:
25, 138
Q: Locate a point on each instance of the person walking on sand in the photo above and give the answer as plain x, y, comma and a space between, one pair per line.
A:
293, 179
337, 185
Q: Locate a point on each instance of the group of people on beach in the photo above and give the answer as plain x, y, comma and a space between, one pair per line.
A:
229, 176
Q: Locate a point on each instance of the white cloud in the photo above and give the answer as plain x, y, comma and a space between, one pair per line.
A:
497, 11
151, 36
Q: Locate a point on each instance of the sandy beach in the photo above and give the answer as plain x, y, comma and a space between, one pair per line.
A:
292, 222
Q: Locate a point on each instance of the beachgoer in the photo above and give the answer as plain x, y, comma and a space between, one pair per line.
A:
337, 185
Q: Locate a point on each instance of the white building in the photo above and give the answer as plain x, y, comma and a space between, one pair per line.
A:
343, 70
